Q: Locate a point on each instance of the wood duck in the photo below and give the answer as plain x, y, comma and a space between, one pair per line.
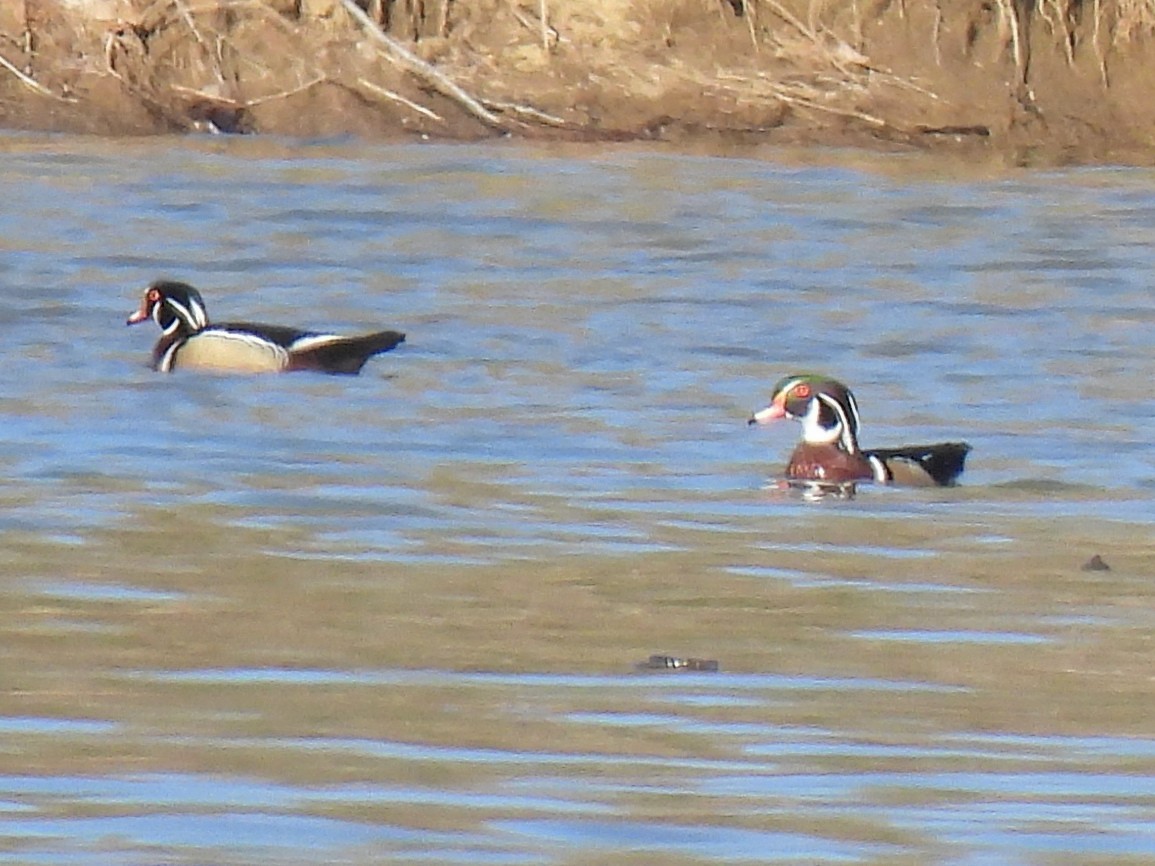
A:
189, 341
829, 450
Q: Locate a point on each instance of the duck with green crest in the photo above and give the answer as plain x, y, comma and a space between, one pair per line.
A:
829, 450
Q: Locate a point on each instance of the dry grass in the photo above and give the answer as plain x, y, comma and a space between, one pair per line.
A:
532, 66
1133, 19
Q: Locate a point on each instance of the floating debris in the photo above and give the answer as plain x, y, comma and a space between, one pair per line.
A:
674, 663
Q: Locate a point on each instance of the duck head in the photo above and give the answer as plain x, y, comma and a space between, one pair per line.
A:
173, 306
825, 407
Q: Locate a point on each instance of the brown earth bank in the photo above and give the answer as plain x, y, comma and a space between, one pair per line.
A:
1028, 82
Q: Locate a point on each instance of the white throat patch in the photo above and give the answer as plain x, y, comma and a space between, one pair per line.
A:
841, 432
812, 431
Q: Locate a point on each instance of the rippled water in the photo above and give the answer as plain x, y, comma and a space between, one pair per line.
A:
398, 618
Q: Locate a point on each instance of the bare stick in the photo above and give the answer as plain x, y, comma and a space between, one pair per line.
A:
186, 14
1099, 48
527, 22
30, 82
787, 16
1011, 17
749, 7
249, 103
781, 93
284, 94
528, 111
397, 97
436, 79
543, 15
937, 34
443, 19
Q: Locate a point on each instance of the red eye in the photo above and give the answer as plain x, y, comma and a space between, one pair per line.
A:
802, 391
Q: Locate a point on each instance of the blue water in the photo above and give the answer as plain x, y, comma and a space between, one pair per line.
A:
396, 618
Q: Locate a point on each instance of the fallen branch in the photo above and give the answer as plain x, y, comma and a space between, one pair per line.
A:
784, 95
409, 61
529, 111
285, 94
249, 103
397, 97
30, 82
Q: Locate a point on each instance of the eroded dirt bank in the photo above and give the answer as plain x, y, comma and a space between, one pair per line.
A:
1032, 81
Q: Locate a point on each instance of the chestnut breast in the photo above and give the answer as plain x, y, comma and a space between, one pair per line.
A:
827, 463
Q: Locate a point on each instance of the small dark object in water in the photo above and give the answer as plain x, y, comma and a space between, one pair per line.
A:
673, 663
1096, 563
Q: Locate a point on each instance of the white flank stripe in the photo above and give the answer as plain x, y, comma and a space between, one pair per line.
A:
165, 365
880, 473
312, 341
252, 340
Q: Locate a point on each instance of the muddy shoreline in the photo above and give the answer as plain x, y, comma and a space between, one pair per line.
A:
1019, 84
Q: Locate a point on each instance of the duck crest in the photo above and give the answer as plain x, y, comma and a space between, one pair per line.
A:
188, 311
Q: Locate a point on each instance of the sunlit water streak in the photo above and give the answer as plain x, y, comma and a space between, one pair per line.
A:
397, 617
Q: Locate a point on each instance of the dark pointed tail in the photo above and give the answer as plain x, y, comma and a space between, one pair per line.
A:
943, 462
346, 356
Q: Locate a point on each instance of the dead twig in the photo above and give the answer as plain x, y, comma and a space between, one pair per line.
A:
214, 56
285, 94
249, 103
803, 102
114, 39
397, 97
436, 79
526, 21
789, 17
529, 111
185, 13
543, 16
1098, 45
30, 82
1010, 16
748, 8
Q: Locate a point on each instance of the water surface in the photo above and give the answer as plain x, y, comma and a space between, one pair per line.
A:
397, 618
